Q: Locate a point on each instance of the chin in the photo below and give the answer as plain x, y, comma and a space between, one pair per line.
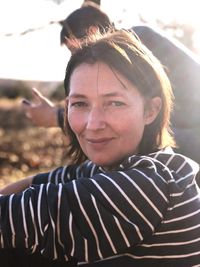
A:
101, 162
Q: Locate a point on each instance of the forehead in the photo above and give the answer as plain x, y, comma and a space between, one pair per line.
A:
97, 76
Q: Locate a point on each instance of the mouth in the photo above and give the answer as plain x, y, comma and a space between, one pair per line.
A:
98, 143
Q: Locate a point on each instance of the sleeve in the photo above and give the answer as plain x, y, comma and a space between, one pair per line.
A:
89, 219
59, 175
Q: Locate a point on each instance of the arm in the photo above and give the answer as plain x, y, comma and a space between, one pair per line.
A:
85, 218
17, 187
59, 175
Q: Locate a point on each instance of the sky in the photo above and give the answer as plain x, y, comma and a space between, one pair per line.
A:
38, 55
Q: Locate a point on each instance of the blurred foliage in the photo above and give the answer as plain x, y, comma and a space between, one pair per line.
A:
29, 151
58, 94
26, 149
19, 89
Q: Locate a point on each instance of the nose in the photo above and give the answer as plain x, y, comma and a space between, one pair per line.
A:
96, 119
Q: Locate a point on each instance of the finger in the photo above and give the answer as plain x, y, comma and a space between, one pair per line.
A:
26, 102
38, 95
41, 98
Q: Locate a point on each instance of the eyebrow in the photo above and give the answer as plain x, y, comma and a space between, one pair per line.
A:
111, 94
77, 96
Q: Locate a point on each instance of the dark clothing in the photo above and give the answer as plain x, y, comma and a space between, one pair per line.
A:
146, 212
183, 69
19, 258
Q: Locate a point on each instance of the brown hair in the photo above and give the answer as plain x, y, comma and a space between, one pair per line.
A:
77, 24
122, 51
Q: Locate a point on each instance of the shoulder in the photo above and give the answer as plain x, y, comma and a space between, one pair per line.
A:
164, 162
67, 173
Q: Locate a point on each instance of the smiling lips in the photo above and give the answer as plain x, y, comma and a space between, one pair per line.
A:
98, 143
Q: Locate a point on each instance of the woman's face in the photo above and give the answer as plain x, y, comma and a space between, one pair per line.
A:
107, 118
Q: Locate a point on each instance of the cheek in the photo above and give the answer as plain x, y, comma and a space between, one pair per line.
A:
135, 126
76, 122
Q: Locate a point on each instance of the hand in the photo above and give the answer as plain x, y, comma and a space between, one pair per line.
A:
42, 112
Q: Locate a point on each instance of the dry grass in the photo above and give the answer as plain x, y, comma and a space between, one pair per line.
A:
24, 148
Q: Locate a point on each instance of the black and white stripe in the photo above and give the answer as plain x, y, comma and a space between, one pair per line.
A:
145, 213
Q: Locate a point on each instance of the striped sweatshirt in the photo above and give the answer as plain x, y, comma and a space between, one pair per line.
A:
146, 212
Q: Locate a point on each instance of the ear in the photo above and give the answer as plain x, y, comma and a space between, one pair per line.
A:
153, 107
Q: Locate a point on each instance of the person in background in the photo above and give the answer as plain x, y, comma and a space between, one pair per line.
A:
183, 69
88, 19
181, 65
126, 199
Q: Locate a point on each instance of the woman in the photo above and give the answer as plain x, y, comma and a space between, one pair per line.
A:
127, 199
181, 65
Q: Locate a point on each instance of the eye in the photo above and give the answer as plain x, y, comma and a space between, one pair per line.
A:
116, 103
78, 104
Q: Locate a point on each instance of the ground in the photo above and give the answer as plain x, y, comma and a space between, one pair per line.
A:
24, 148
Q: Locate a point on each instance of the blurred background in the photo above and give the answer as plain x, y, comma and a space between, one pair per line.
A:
31, 56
